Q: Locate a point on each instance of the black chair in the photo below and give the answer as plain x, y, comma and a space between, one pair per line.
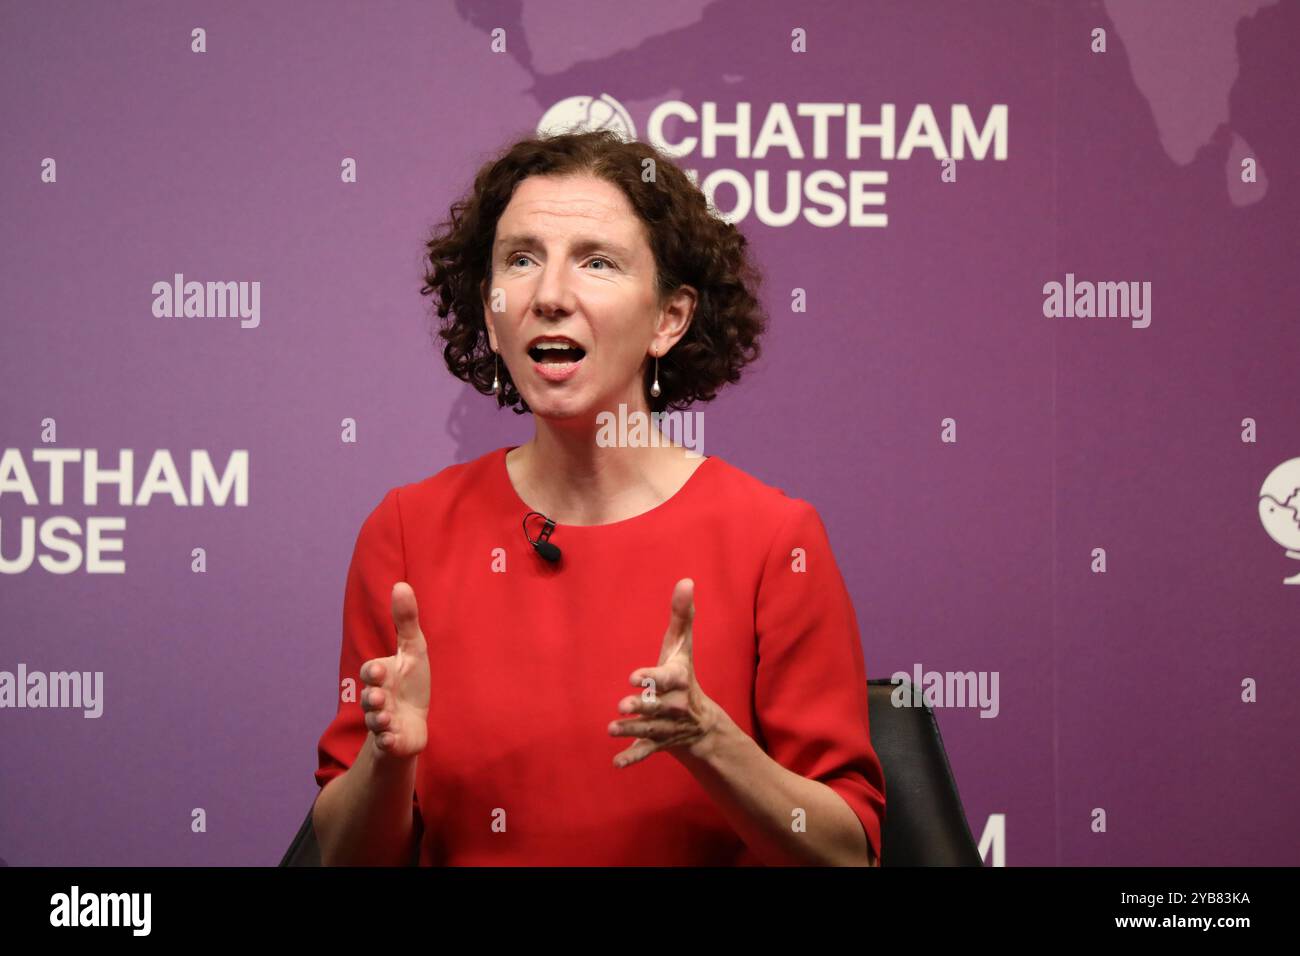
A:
924, 822
304, 850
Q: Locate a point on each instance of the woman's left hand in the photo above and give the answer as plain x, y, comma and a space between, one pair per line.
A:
674, 713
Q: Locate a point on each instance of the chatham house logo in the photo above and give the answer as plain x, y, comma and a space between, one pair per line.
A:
1279, 509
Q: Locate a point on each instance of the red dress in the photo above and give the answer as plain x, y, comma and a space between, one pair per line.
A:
528, 661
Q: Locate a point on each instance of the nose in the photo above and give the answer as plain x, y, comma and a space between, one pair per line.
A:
553, 295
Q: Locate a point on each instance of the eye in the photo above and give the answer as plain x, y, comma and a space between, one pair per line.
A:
604, 260
514, 259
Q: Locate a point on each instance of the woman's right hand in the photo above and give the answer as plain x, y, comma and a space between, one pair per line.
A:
396, 693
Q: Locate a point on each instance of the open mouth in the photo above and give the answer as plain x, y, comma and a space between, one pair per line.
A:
548, 353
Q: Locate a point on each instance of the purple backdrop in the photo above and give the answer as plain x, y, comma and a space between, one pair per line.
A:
1145, 714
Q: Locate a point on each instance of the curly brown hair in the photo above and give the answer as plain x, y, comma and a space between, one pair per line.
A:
691, 246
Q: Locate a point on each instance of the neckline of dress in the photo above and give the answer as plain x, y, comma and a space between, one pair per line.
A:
499, 468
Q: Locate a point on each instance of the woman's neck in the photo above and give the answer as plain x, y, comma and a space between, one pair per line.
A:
565, 474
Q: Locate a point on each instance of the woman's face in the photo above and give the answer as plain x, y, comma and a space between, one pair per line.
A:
571, 259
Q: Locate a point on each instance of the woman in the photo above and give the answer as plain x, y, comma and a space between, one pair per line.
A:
529, 712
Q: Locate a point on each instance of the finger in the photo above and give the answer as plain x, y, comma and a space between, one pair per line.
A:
654, 707
665, 678
638, 704
373, 672
378, 720
372, 698
406, 620
677, 639
636, 753
657, 730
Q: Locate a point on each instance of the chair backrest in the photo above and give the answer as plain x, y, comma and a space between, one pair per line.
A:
924, 822
304, 850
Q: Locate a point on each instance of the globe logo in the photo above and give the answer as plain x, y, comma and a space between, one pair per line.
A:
1279, 509
580, 114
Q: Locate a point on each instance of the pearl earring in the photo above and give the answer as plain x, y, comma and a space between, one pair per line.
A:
496, 365
654, 389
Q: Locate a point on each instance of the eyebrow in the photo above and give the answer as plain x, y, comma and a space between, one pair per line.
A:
582, 244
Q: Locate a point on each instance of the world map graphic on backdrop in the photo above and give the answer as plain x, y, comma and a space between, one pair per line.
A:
1183, 54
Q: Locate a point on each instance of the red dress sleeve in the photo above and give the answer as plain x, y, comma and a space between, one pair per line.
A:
810, 691
378, 562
